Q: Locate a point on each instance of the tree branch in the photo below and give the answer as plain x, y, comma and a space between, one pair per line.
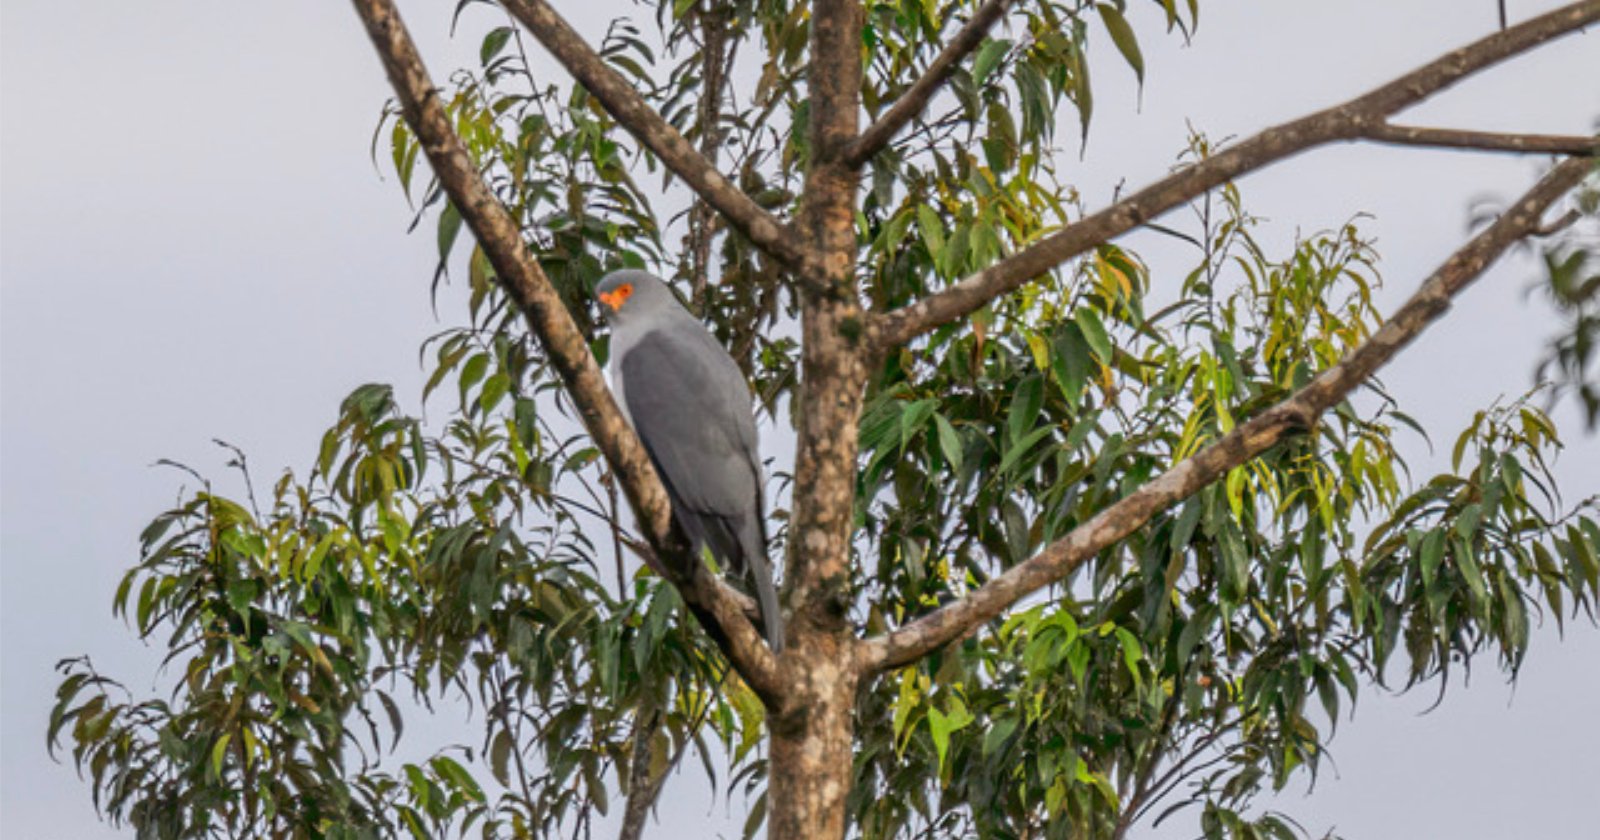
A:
1246, 441
629, 109
916, 98
1483, 141
563, 343
642, 787
1356, 119
716, 63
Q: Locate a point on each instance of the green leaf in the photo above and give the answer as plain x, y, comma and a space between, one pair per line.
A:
1078, 653
906, 702
1132, 653
1467, 562
1432, 556
932, 229
457, 776
913, 417
494, 390
1122, 35
241, 593
1094, 333
500, 757
994, 740
471, 372
1025, 405
1022, 447
449, 228
219, 754
1070, 362
1183, 530
493, 43
988, 58
941, 724
1467, 522
949, 442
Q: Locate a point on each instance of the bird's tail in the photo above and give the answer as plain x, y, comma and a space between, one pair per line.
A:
753, 544
767, 599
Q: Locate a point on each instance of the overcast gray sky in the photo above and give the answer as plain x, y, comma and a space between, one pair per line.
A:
193, 244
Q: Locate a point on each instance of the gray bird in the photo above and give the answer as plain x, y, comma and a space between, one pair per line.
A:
691, 408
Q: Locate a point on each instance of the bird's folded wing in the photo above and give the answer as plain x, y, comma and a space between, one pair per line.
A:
694, 419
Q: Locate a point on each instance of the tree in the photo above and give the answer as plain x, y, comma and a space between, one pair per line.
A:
993, 402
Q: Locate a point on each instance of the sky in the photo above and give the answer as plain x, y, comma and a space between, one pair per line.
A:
194, 244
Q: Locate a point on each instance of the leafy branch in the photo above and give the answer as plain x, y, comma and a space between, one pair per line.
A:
916, 98
643, 122
1362, 118
1299, 411
563, 342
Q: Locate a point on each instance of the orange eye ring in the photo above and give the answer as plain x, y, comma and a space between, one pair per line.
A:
615, 298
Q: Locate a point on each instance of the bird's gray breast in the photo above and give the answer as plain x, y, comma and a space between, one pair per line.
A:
691, 408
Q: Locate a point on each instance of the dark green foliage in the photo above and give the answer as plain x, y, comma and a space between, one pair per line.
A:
297, 628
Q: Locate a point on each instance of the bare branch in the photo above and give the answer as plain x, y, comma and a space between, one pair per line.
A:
1484, 141
1559, 224
644, 123
1246, 441
1353, 120
716, 63
643, 789
916, 98
563, 343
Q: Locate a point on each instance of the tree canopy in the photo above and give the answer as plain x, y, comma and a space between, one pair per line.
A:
1068, 547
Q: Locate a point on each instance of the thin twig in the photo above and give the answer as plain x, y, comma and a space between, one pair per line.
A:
715, 60
1483, 141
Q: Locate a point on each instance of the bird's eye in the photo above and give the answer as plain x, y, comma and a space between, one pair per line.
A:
615, 298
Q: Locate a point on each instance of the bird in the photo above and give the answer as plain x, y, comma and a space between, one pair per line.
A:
691, 408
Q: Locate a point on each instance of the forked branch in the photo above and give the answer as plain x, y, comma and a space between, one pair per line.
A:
561, 339
625, 105
1364, 117
1299, 411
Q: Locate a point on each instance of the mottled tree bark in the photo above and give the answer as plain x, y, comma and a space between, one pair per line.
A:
813, 733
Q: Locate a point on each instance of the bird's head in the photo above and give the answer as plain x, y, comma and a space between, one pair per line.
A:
631, 293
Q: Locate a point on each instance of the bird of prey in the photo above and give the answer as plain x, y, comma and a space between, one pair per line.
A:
691, 408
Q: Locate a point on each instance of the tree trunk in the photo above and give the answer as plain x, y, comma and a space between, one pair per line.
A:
812, 742
812, 723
